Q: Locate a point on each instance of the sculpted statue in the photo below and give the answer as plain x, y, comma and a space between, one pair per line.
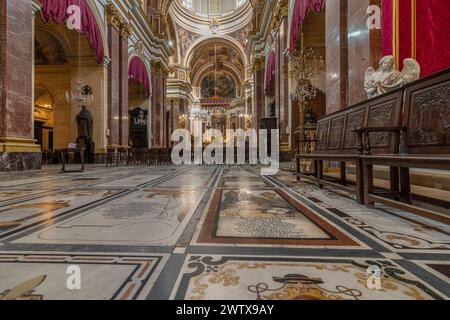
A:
85, 123
387, 78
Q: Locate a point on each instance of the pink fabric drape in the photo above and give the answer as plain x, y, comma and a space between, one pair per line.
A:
301, 9
57, 10
137, 72
270, 70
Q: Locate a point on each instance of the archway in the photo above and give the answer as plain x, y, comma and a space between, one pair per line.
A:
63, 59
43, 120
139, 103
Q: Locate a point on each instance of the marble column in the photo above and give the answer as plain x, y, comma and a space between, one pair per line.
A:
282, 85
364, 48
336, 55
123, 78
259, 99
166, 124
158, 104
114, 25
351, 49
18, 150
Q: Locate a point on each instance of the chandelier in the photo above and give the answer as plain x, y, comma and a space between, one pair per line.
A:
82, 96
305, 65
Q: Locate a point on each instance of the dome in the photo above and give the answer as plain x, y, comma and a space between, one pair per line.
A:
212, 8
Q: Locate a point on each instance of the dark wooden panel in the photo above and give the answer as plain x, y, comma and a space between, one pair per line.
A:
322, 134
355, 119
427, 115
335, 134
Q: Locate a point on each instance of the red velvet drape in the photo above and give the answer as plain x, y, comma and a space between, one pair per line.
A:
431, 43
301, 9
138, 72
387, 27
433, 35
270, 70
57, 10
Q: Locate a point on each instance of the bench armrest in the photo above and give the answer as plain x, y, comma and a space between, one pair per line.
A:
364, 137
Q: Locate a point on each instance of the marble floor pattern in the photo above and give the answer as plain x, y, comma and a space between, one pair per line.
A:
209, 232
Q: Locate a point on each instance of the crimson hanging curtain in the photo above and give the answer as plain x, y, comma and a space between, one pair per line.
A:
137, 72
418, 29
387, 27
270, 70
433, 35
57, 10
301, 9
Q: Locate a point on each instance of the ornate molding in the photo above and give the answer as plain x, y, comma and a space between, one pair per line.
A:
281, 11
113, 16
116, 19
126, 30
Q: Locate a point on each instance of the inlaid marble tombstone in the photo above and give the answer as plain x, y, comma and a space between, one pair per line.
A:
387, 78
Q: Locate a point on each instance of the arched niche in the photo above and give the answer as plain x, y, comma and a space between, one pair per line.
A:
139, 104
63, 57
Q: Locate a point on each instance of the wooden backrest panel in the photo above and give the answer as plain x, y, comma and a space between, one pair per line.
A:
322, 134
335, 131
385, 111
427, 115
355, 118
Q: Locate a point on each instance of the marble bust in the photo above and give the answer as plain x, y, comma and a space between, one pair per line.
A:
387, 78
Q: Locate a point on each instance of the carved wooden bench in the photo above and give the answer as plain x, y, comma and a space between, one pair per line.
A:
425, 136
337, 140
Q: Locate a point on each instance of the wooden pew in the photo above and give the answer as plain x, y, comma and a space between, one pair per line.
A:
425, 136
338, 141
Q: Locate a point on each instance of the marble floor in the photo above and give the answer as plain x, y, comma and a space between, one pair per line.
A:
208, 232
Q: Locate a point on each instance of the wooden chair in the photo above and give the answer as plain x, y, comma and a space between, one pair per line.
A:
122, 156
111, 156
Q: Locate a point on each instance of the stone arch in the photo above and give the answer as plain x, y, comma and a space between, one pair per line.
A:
220, 39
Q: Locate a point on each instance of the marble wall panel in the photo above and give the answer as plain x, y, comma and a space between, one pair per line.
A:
335, 49
19, 161
16, 69
359, 50
114, 86
123, 98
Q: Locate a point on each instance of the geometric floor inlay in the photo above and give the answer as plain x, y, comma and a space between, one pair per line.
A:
38, 277
239, 278
208, 232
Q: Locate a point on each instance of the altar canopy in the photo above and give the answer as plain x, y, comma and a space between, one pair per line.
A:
137, 72
301, 10
58, 11
418, 29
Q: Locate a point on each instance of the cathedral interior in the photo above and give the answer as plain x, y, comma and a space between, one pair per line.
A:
349, 99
